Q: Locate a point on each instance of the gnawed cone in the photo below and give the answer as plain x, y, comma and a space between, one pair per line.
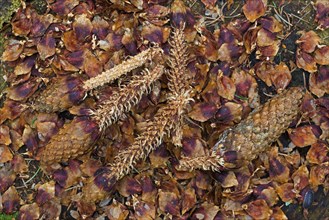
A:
65, 92
244, 142
78, 136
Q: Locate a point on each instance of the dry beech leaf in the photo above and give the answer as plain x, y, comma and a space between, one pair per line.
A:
63, 7
265, 38
25, 67
318, 175
286, 192
13, 50
116, 211
82, 27
278, 214
188, 199
47, 46
309, 41
317, 154
300, 178
7, 177
144, 211
4, 135
5, 154
281, 77
305, 61
321, 55
129, 186
226, 87
264, 71
203, 111
169, 202
271, 24
29, 211
319, 81
322, 10
206, 211
45, 193
254, 9
278, 170
303, 136
10, 200
258, 209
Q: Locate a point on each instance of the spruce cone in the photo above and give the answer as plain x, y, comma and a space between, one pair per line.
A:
73, 140
60, 95
254, 135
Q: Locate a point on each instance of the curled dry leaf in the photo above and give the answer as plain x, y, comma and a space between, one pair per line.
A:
254, 9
